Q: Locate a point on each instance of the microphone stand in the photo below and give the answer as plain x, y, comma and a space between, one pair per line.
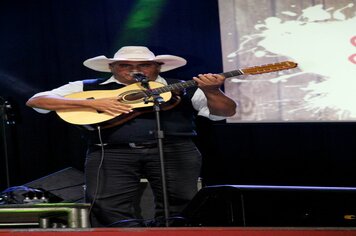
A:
157, 101
4, 121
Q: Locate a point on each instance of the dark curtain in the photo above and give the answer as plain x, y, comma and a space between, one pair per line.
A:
43, 44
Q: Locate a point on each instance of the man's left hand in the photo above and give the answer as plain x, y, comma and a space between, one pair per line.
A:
209, 82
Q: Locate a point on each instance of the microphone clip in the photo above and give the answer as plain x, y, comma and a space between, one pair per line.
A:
140, 77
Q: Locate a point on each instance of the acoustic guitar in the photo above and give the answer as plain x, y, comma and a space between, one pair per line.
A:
141, 98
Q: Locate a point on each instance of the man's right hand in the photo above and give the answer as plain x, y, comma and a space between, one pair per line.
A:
111, 106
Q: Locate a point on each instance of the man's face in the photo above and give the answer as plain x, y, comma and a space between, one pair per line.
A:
122, 70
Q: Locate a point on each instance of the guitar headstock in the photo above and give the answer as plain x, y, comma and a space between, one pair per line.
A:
285, 65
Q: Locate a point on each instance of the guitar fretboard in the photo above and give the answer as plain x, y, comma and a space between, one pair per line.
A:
189, 83
176, 86
251, 70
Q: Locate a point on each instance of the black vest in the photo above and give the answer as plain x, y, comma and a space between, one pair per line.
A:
178, 121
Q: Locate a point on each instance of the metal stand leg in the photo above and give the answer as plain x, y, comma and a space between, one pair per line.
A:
44, 223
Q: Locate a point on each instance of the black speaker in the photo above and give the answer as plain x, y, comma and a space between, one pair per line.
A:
246, 205
66, 185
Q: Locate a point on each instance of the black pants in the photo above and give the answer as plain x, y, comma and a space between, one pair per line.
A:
120, 174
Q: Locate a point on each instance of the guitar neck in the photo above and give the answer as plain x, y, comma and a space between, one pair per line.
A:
190, 83
176, 86
251, 70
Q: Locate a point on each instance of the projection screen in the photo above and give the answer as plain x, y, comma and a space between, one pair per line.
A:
318, 35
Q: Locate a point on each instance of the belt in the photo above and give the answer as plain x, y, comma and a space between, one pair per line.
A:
143, 145
133, 145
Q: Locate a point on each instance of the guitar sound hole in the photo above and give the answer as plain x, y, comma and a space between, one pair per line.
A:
134, 96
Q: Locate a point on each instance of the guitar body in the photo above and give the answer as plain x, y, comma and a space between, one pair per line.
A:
133, 94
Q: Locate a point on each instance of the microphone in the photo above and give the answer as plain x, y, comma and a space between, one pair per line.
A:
139, 77
142, 78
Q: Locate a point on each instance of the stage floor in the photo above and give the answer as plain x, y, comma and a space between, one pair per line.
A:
184, 231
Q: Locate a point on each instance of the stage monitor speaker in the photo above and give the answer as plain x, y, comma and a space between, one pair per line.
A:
272, 206
66, 185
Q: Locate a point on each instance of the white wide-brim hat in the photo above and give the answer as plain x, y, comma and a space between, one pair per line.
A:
135, 53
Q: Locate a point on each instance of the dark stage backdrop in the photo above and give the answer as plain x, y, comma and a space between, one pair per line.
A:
44, 42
